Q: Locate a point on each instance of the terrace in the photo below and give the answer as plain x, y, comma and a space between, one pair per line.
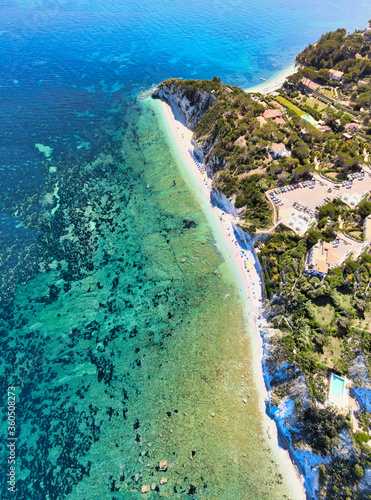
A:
324, 256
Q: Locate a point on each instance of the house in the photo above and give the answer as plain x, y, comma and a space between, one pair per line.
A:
336, 75
353, 127
347, 136
309, 85
323, 257
367, 34
272, 113
278, 150
325, 129
276, 104
261, 120
279, 120
362, 82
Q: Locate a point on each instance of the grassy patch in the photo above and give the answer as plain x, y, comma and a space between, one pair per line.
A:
290, 105
330, 93
333, 175
324, 315
331, 351
316, 104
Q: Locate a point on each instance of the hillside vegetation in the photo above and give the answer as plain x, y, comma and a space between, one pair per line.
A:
321, 323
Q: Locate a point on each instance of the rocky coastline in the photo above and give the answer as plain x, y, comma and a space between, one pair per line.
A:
288, 393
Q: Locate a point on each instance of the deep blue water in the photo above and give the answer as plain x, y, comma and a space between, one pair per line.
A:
97, 304
66, 66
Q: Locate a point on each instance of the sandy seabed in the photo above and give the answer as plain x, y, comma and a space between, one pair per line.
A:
243, 262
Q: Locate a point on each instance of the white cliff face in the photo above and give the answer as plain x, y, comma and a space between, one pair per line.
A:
191, 103
221, 201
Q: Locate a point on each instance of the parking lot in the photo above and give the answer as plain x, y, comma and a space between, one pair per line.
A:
298, 204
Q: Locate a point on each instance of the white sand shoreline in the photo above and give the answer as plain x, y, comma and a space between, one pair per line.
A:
275, 82
249, 281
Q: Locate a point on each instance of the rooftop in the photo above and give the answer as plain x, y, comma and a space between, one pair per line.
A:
310, 84
279, 120
352, 126
324, 128
323, 257
336, 73
276, 104
272, 113
277, 148
261, 120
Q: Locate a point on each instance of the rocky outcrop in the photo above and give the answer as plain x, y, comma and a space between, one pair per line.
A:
219, 200
191, 103
290, 381
358, 370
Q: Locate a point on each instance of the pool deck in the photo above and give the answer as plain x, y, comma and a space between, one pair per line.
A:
343, 400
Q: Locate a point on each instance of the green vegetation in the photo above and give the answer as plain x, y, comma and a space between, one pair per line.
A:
340, 479
322, 313
349, 54
315, 104
289, 105
322, 428
322, 323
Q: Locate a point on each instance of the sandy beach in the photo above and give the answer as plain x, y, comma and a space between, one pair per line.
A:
243, 261
273, 83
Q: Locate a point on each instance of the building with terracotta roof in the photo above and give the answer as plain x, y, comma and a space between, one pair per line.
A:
272, 113
308, 84
276, 104
323, 257
278, 150
279, 120
336, 75
353, 127
261, 120
324, 128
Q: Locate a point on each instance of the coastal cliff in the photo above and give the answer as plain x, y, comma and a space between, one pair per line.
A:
191, 103
228, 139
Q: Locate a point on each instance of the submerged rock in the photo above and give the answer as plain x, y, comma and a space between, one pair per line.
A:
163, 480
163, 465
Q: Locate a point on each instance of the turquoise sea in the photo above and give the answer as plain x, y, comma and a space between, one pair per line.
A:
122, 328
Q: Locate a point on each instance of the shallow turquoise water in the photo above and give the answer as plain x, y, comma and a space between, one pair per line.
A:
127, 347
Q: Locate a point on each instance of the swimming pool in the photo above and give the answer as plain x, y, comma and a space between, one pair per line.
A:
308, 119
337, 386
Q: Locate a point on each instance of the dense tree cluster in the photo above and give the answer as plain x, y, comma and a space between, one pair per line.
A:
350, 54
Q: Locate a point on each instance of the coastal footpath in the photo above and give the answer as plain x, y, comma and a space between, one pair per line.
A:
290, 174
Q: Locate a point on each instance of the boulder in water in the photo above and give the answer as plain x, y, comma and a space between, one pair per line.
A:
163, 465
